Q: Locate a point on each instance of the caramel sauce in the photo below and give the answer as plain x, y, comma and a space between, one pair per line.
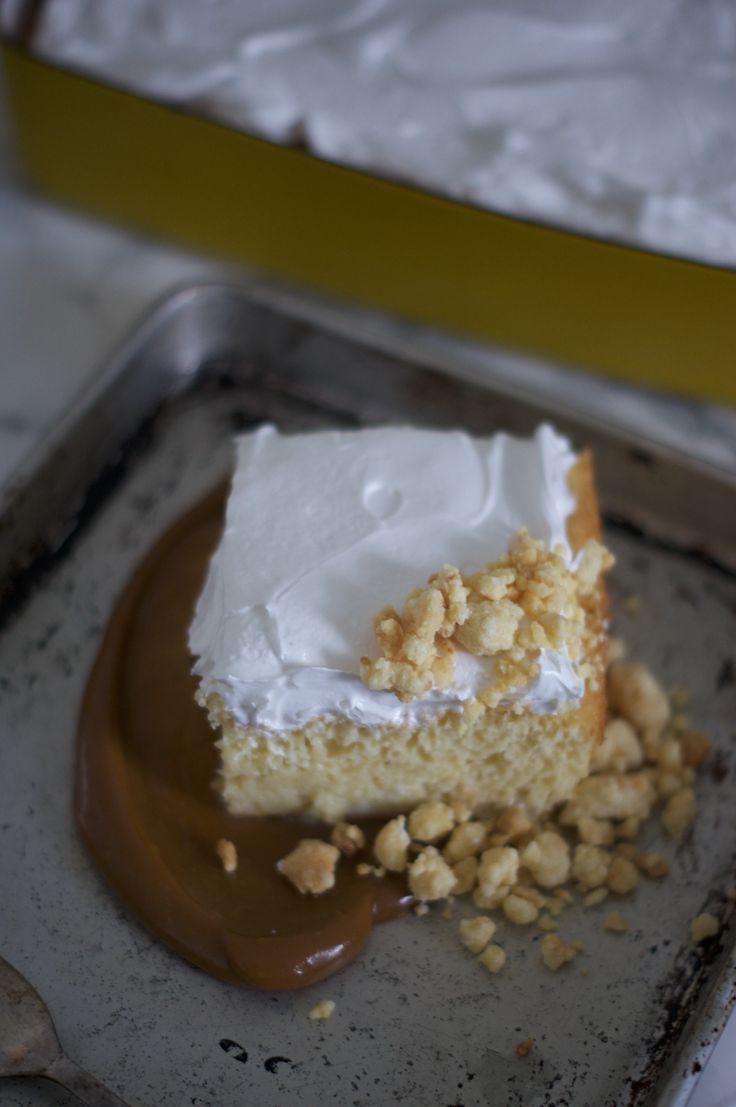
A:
151, 817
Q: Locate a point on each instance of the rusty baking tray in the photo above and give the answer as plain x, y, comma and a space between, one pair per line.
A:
417, 1021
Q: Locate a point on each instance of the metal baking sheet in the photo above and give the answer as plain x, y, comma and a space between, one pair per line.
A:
417, 1022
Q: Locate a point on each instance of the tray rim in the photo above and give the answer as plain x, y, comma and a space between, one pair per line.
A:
713, 1008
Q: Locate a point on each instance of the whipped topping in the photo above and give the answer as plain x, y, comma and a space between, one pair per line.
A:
613, 117
323, 529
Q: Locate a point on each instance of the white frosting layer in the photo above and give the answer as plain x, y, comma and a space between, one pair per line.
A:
609, 116
324, 529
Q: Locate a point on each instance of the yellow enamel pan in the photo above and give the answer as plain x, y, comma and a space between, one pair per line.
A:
649, 318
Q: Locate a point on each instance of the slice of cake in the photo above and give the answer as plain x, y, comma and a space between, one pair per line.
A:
397, 614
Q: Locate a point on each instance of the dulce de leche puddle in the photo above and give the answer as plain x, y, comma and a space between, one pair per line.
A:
148, 811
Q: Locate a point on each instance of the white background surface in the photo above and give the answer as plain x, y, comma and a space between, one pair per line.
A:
70, 289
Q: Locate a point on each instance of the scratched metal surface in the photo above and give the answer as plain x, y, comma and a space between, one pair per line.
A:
417, 1020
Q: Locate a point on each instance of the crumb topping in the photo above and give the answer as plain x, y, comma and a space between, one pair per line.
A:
525, 601
311, 866
704, 926
476, 933
348, 838
228, 855
530, 873
322, 1010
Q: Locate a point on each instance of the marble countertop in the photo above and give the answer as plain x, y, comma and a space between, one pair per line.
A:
71, 288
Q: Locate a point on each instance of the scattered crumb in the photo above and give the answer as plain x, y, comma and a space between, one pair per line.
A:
431, 821
322, 1010
311, 866
704, 926
590, 865
637, 696
522, 1048
546, 922
228, 854
512, 824
679, 812
595, 897
623, 876
391, 845
615, 921
364, 869
421, 909
430, 877
476, 933
493, 958
653, 865
556, 953
466, 840
465, 874
448, 912
519, 910
348, 838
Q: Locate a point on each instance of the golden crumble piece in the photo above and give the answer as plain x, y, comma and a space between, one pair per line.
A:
653, 865
616, 649
512, 823
546, 922
595, 832
594, 898
490, 627
615, 921
489, 901
704, 926
498, 867
430, 877
556, 904
322, 1010
449, 583
637, 696
590, 865
547, 857
228, 855
519, 910
348, 838
620, 749
430, 821
679, 813
466, 840
391, 845
695, 748
493, 958
476, 933
610, 796
623, 876
667, 783
556, 953
311, 866
465, 872
532, 894
521, 1049
421, 909
669, 755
